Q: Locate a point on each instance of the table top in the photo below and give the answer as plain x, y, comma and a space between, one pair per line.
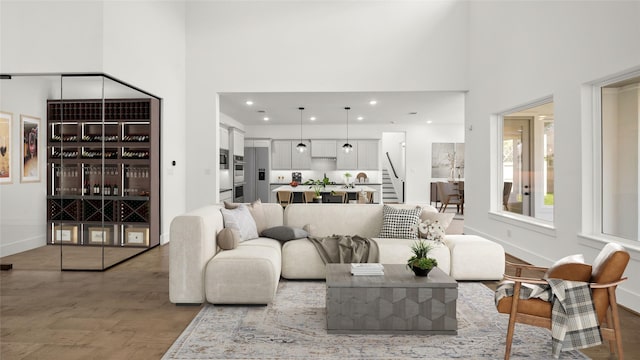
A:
395, 275
326, 189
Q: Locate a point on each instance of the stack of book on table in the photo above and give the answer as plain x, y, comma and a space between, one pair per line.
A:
367, 269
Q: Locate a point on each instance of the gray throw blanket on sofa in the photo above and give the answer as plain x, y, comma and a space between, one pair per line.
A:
346, 249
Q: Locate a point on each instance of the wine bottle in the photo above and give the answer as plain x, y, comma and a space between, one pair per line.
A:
115, 190
105, 190
96, 189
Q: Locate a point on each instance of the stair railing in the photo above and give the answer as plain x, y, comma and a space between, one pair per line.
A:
395, 174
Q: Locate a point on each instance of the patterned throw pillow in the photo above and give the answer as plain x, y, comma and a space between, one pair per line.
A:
400, 223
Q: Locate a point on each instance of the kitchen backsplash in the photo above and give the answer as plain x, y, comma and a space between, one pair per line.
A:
337, 176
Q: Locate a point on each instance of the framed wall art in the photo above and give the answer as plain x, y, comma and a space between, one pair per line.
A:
30, 166
5, 147
447, 160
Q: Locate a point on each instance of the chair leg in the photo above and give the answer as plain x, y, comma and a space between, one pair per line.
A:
512, 320
615, 323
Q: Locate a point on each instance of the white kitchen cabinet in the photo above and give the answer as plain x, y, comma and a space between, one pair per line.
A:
346, 161
300, 160
323, 148
281, 155
368, 155
238, 142
224, 138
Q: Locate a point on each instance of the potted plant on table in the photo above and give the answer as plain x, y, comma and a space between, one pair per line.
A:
430, 233
317, 186
420, 262
347, 177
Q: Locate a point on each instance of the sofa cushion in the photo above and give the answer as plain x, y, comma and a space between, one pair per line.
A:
228, 238
241, 220
284, 233
256, 210
400, 223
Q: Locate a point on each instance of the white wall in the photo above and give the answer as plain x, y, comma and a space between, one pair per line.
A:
142, 43
50, 36
313, 46
522, 51
23, 206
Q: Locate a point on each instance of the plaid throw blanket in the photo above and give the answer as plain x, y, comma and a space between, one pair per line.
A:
574, 324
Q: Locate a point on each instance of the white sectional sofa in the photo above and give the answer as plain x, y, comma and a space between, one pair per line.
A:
199, 271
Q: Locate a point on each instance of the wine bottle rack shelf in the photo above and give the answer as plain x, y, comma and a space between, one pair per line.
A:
103, 170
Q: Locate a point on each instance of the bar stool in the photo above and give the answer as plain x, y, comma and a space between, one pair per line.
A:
284, 198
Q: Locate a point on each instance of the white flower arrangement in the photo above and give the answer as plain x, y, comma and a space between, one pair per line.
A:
431, 230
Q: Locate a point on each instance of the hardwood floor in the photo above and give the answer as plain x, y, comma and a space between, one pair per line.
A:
122, 313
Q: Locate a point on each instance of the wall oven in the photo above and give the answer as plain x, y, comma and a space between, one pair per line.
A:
238, 169
238, 193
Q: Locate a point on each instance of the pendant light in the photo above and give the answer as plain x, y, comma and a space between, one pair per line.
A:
347, 147
301, 147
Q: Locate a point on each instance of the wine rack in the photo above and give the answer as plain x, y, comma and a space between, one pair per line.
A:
63, 209
103, 171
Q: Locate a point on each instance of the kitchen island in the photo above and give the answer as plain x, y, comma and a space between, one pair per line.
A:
352, 192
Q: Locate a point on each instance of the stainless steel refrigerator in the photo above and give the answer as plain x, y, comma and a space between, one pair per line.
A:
256, 174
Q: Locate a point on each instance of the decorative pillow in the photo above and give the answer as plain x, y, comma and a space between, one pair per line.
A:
443, 218
284, 233
431, 230
255, 208
228, 239
400, 223
241, 220
570, 267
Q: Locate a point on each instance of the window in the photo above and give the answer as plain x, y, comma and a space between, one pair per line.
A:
619, 118
527, 160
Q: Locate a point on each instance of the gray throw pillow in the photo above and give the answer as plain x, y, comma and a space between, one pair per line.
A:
284, 233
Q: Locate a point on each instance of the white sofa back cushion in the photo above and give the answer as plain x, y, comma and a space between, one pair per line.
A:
273, 214
341, 219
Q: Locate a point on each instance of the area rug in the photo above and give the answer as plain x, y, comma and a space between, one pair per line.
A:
294, 327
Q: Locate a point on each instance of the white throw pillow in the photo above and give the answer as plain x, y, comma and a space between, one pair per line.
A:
240, 219
400, 223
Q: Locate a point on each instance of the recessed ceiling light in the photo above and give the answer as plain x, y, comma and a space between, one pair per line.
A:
249, 102
313, 118
373, 102
413, 113
360, 118
429, 122
266, 118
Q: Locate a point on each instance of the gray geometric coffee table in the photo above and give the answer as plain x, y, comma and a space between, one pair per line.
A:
397, 302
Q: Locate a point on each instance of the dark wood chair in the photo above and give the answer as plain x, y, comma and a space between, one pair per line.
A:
448, 194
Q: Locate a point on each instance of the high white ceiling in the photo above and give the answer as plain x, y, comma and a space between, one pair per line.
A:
328, 107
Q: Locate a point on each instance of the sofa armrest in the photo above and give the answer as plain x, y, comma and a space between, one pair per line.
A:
192, 245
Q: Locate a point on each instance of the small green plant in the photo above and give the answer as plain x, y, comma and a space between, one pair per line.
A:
317, 185
420, 257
